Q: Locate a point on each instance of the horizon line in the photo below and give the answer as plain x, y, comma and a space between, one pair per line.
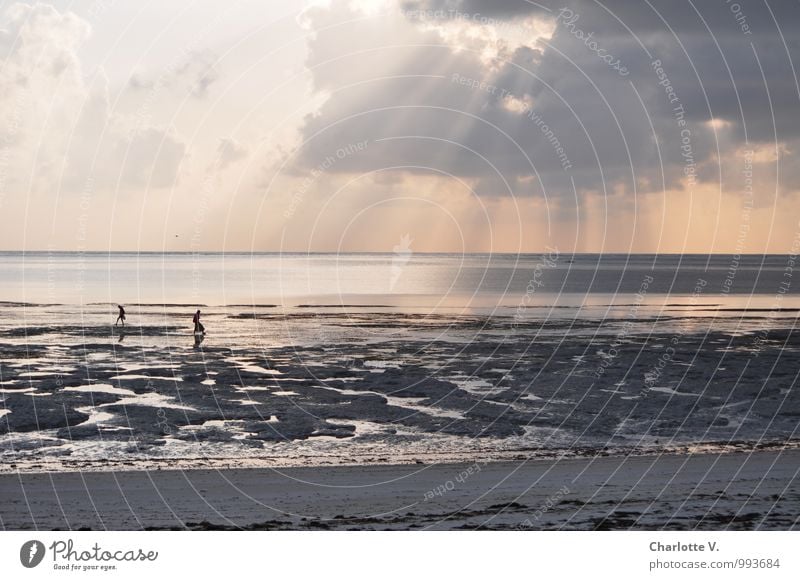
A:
367, 252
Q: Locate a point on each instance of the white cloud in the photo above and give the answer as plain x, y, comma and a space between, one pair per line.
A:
60, 123
493, 39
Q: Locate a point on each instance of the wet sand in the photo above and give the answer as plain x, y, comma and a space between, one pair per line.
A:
736, 491
328, 387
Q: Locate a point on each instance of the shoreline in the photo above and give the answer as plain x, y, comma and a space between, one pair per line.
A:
738, 490
367, 460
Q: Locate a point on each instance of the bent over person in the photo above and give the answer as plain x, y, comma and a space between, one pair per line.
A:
121, 316
198, 326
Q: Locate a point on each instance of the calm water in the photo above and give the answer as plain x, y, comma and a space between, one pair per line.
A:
406, 280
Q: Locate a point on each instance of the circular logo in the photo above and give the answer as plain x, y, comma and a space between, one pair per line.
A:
31, 553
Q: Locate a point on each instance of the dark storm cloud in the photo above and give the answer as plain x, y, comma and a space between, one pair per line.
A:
643, 17
623, 90
492, 9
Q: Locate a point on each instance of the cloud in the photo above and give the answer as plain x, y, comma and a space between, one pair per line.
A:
396, 85
426, 99
230, 151
57, 124
41, 87
194, 74
509, 109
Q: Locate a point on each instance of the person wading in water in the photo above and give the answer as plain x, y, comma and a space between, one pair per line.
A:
121, 315
198, 326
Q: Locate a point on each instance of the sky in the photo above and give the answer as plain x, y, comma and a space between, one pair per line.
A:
439, 125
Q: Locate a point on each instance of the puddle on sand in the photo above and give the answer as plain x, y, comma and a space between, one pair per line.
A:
101, 388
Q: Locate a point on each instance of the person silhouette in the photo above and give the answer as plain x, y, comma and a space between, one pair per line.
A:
121, 315
198, 326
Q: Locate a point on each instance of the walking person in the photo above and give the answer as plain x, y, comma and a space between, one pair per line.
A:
121, 315
198, 326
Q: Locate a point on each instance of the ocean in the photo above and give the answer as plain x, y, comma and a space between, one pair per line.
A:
400, 357
401, 279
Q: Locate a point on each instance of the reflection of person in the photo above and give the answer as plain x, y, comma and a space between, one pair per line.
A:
121, 315
198, 326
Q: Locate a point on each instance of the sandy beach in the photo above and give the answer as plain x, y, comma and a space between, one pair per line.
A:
733, 491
